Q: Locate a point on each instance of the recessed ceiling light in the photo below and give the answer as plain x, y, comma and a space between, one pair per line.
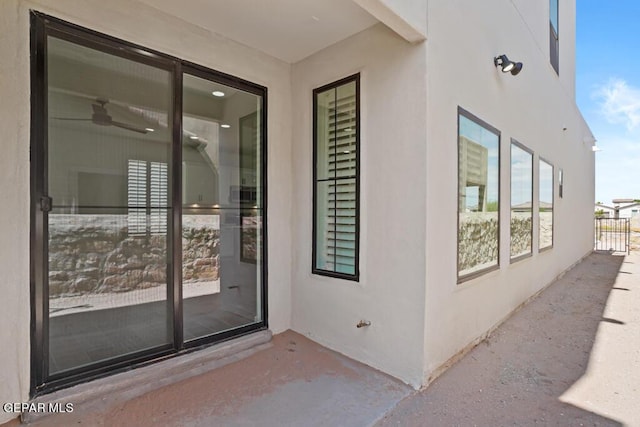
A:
144, 52
217, 93
149, 129
193, 137
225, 126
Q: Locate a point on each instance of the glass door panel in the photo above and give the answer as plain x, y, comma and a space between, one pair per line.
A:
221, 208
108, 176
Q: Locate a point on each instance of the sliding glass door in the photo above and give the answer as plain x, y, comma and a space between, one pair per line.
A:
221, 207
108, 184
147, 204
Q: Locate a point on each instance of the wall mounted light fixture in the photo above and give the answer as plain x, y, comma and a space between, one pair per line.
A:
507, 65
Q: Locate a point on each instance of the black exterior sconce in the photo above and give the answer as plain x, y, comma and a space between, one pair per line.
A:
507, 66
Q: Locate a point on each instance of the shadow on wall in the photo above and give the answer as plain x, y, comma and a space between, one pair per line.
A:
519, 375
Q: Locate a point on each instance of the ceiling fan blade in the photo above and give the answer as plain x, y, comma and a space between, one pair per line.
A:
128, 127
72, 119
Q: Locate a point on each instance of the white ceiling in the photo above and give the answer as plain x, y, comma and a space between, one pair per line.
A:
286, 29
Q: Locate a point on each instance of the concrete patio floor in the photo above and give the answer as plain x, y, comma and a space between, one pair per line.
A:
571, 357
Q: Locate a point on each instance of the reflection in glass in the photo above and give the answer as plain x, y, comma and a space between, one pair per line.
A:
221, 198
546, 205
521, 201
478, 196
553, 14
336, 173
108, 177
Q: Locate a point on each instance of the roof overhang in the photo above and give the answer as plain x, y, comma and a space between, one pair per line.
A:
291, 30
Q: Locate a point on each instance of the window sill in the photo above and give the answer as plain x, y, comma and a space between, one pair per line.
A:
476, 274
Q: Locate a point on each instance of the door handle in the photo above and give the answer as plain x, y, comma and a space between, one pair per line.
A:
46, 203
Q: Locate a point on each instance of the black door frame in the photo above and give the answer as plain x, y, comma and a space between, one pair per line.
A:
42, 26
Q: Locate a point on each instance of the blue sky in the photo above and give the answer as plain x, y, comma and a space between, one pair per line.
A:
608, 91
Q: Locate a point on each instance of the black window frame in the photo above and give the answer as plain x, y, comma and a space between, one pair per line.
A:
355, 78
554, 38
42, 26
523, 147
475, 274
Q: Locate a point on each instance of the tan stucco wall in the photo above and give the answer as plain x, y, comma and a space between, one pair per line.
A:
391, 289
14, 209
532, 107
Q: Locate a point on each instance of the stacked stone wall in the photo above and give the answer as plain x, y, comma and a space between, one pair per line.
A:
95, 254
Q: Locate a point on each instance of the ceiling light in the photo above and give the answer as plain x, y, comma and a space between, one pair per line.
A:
218, 93
144, 52
216, 206
149, 129
506, 65
193, 137
225, 126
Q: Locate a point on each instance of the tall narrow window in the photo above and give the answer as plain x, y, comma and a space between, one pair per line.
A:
478, 196
546, 204
554, 45
521, 201
336, 178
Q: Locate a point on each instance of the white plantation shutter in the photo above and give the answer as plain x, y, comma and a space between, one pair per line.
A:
147, 197
158, 198
341, 213
137, 197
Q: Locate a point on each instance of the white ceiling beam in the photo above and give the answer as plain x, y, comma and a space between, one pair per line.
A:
393, 18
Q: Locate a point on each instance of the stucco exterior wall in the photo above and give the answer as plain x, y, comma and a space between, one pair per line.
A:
533, 108
148, 27
390, 292
14, 209
536, 16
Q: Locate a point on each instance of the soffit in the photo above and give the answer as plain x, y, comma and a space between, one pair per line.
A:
289, 30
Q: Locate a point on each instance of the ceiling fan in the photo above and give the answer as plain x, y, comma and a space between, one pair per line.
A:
101, 117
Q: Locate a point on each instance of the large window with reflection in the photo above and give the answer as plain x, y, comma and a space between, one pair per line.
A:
148, 204
521, 223
478, 196
545, 204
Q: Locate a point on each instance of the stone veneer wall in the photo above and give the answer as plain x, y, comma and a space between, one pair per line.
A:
92, 254
521, 233
479, 237
478, 240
